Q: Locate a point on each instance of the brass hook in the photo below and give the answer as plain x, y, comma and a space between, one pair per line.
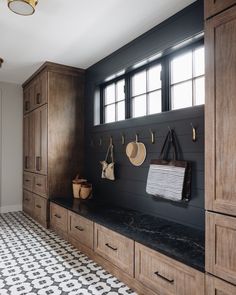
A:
136, 137
111, 140
122, 139
194, 133
152, 137
100, 141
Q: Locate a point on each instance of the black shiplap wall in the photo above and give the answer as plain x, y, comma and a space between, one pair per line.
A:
129, 188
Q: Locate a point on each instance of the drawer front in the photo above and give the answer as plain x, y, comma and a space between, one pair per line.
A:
28, 181
58, 217
80, 229
221, 246
215, 286
40, 185
164, 275
28, 203
40, 208
114, 247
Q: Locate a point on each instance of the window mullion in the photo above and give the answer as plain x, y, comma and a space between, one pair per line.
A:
128, 101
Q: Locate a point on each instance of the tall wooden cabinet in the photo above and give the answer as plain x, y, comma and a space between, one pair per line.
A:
220, 143
53, 136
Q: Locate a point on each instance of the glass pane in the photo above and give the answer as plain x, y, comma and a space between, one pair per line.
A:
199, 62
120, 110
110, 114
181, 67
120, 88
110, 94
199, 87
139, 83
139, 106
181, 95
154, 78
154, 102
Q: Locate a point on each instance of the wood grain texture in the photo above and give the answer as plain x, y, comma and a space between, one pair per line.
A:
215, 286
80, 229
213, 7
65, 132
114, 247
164, 275
28, 203
40, 209
40, 186
220, 113
59, 218
221, 246
28, 181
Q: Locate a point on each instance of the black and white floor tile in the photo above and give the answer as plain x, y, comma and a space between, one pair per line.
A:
34, 260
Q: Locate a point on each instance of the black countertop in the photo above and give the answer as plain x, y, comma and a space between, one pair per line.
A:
177, 241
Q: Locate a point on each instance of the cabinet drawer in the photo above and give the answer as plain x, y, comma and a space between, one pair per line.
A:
40, 185
58, 218
28, 203
40, 209
221, 246
114, 247
216, 286
28, 181
213, 7
80, 229
166, 276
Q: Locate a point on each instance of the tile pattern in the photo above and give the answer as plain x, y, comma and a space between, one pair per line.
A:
34, 260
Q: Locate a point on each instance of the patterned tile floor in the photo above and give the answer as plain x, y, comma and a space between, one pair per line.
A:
36, 261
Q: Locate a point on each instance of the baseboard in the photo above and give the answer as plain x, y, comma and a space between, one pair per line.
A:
14, 208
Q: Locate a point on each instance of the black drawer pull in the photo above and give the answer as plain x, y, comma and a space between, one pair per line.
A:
38, 206
57, 216
114, 249
27, 180
164, 278
38, 98
79, 228
38, 184
27, 200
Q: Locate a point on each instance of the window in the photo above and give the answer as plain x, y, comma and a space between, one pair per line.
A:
187, 79
171, 82
146, 92
114, 102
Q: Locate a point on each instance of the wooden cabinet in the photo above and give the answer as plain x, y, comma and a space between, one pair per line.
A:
213, 7
40, 209
215, 286
80, 229
166, 276
40, 135
220, 119
115, 248
28, 203
59, 218
221, 246
28, 143
54, 129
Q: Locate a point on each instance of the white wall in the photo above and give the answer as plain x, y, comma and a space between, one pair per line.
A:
11, 144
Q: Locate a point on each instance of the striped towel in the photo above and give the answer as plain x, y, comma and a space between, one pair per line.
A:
166, 181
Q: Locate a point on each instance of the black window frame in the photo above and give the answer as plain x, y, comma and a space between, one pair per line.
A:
165, 61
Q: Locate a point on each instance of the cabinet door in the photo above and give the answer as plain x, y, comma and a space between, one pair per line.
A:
41, 140
216, 286
28, 95
213, 7
28, 143
40, 90
221, 246
28, 203
220, 110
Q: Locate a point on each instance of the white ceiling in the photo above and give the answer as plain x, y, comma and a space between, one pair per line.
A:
75, 32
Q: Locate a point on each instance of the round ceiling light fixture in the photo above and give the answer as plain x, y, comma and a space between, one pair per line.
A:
22, 7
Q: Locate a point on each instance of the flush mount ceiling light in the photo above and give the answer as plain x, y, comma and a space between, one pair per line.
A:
22, 7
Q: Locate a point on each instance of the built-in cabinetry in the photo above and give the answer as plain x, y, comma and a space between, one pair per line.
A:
144, 270
53, 136
220, 145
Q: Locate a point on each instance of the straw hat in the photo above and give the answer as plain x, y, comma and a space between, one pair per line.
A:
136, 152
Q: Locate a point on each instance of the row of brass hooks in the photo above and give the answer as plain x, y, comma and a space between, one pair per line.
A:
152, 133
